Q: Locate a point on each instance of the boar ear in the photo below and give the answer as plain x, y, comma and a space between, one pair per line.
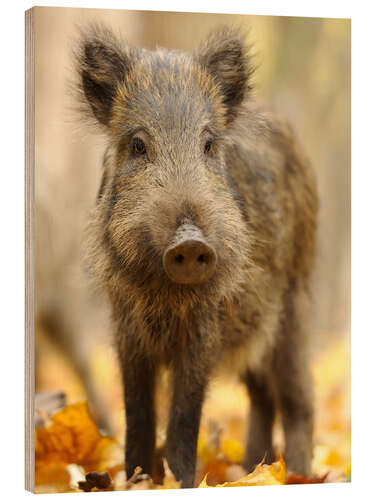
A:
226, 57
102, 64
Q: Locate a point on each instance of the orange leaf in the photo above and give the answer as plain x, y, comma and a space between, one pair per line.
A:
71, 438
298, 479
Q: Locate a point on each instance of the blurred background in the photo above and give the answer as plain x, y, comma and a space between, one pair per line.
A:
304, 74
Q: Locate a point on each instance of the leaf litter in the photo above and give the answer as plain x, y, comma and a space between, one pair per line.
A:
72, 455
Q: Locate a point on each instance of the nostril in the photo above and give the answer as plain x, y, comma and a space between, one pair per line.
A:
179, 258
202, 258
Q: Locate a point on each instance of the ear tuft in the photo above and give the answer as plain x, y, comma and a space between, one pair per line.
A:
102, 63
226, 56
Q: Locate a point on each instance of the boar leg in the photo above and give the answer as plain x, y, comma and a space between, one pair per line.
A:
261, 417
294, 389
182, 435
139, 382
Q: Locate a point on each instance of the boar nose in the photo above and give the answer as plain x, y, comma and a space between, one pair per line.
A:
190, 261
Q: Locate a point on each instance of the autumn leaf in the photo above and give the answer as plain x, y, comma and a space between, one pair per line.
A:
215, 471
71, 438
298, 479
96, 481
262, 475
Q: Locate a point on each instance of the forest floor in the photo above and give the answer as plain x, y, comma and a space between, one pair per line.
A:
72, 455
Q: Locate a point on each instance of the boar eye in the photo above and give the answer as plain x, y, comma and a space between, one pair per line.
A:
207, 147
139, 146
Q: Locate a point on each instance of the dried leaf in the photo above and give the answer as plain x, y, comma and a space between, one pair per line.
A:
215, 471
71, 438
298, 479
262, 475
96, 480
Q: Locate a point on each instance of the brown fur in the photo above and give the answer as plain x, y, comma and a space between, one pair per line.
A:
254, 199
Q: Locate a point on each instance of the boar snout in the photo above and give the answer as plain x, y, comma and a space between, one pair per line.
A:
189, 260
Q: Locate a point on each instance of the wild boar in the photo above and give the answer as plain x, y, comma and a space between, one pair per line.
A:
203, 238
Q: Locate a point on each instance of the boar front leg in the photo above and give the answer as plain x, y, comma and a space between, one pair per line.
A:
191, 371
139, 386
183, 428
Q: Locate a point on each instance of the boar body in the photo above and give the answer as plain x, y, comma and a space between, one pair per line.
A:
203, 239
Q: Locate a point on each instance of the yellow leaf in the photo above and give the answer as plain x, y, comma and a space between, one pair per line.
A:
203, 483
262, 475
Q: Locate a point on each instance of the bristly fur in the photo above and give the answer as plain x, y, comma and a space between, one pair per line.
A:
252, 197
